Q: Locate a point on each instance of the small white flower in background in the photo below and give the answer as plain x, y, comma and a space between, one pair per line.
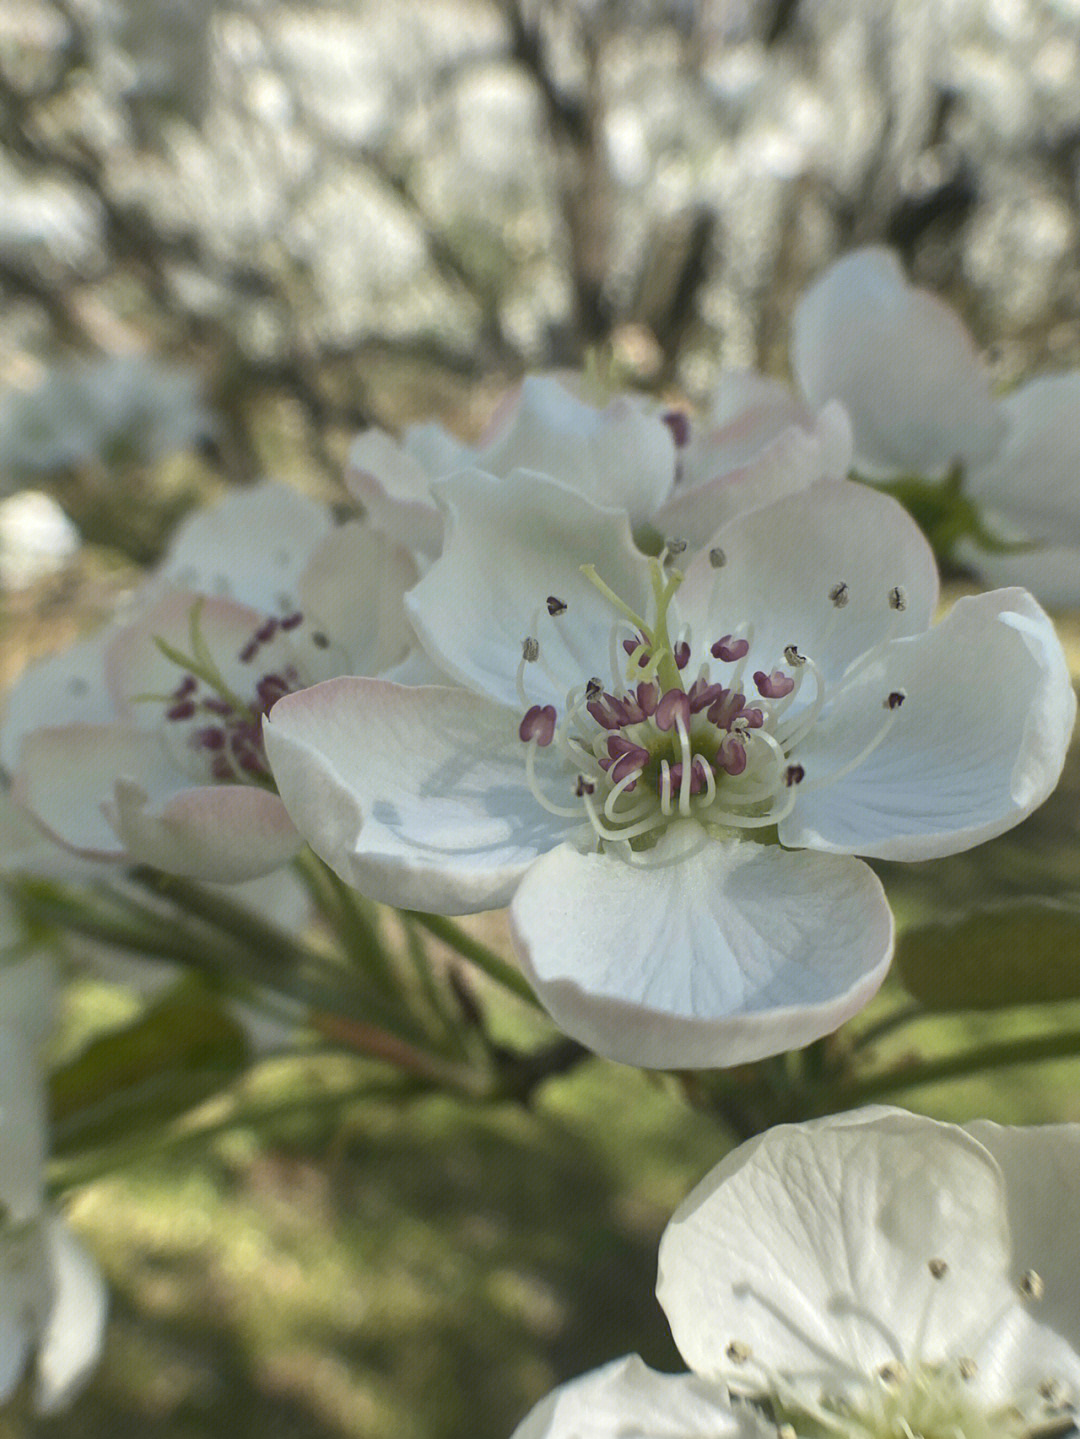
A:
670, 473
121, 751
118, 410
52, 1298
625, 735
873, 1275
920, 402
36, 538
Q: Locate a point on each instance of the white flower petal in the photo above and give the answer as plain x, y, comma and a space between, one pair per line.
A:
415, 796
811, 1245
66, 687
739, 951
394, 487
26, 848
748, 412
627, 1400
789, 463
1042, 1195
511, 543
352, 589
782, 561
252, 546
1050, 572
1035, 474
218, 832
902, 365
74, 1332
978, 743
622, 456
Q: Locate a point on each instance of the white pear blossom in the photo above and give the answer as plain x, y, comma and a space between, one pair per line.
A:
52, 1298
671, 473
629, 741
873, 1275
921, 403
143, 743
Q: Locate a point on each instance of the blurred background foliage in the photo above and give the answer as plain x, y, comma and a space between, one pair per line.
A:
232, 234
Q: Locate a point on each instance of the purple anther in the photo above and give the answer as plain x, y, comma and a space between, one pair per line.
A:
639, 647
895, 700
731, 756
673, 704
539, 725
252, 763
271, 688
266, 631
773, 686
794, 774
625, 758
752, 717
698, 767
221, 768
584, 786
291, 622
679, 424
217, 705
702, 694
594, 688
320, 641
555, 606
211, 738
248, 653
648, 696
681, 653
608, 712
728, 649
181, 711
187, 686
725, 706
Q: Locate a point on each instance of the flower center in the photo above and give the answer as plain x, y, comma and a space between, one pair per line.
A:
680, 730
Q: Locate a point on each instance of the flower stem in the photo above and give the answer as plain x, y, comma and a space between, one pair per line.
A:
493, 965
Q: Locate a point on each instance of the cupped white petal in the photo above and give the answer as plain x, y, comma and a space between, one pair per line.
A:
902, 365
1041, 1166
789, 463
1034, 475
747, 413
628, 1400
978, 742
25, 848
415, 796
252, 546
64, 688
352, 590
737, 951
394, 487
74, 1332
809, 1248
784, 562
512, 544
622, 456
219, 832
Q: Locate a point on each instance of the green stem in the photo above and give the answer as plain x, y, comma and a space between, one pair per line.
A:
887, 1024
347, 914
995, 1055
493, 965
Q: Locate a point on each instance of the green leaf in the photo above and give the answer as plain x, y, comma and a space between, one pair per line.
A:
176, 1054
1017, 951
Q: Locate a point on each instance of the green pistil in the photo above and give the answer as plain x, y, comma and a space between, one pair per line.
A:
201, 662
661, 663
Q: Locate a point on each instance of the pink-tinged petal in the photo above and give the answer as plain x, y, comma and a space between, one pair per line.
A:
250, 547
784, 564
902, 365
627, 1400
1041, 1167
747, 413
65, 688
74, 1332
978, 742
394, 488
810, 1246
738, 951
66, 776
135, 666
622, 456
789, 463
353, 590
513, 545
415, 796
217, 832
